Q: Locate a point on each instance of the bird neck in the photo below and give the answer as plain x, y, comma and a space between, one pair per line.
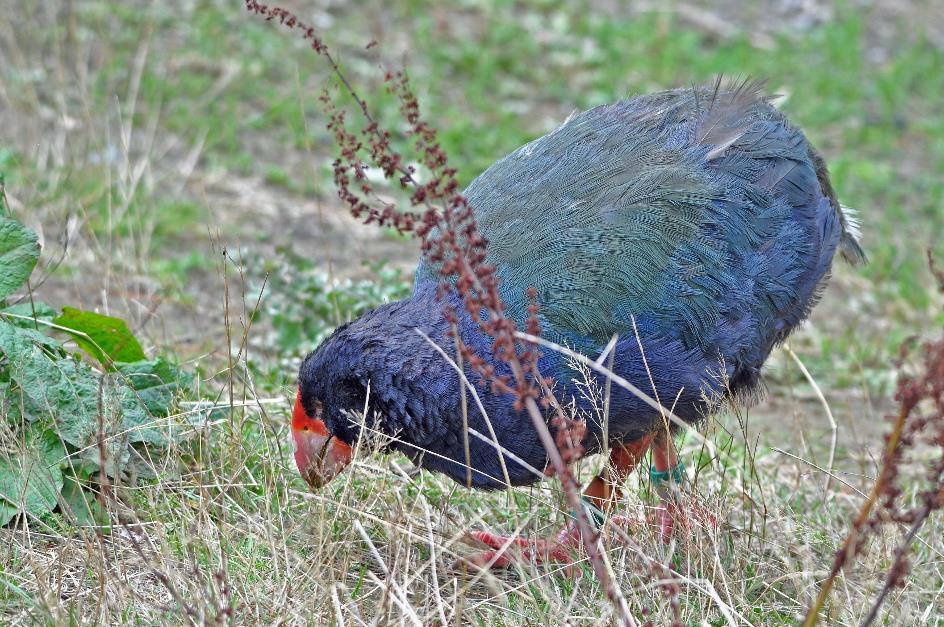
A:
400, 362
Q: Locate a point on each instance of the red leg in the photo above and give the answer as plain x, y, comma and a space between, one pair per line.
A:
601, 492
664, 462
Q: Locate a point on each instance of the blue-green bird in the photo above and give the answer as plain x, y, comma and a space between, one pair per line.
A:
696, 225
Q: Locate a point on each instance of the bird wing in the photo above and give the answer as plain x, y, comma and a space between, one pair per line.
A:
693, 214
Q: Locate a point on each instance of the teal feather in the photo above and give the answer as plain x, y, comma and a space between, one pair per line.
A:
674, 208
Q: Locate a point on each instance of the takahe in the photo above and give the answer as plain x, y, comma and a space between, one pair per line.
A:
697, 225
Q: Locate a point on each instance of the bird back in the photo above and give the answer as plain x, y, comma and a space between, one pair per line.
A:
701, 216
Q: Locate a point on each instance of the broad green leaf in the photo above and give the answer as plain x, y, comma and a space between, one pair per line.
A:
19, 250
82, 504
14, 338
84, 406
106, 338
30, 477
138, 424
65, 394
157, 383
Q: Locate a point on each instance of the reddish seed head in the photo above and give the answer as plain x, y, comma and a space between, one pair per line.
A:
447, 224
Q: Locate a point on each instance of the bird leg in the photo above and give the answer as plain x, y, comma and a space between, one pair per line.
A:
599, 496
666, 476
603, 490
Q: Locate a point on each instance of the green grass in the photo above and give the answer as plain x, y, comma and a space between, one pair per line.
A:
242, 99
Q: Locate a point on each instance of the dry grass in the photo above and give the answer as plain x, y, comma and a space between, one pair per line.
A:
233, 537
227, 533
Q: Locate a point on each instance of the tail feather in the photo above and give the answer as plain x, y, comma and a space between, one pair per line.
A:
849, 246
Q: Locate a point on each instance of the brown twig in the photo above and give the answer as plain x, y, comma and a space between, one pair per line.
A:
920, 420
450, 240
900, 554
845, 553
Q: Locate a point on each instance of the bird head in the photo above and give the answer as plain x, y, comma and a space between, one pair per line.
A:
331, 389
319, 455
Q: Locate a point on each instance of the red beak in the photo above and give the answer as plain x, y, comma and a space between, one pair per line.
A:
319, 455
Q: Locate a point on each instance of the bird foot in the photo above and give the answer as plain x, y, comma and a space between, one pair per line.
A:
669, 517
507, 550
565, 548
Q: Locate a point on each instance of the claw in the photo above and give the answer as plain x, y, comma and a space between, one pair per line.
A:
672, 515
501, 542
565, 548
665, 522
509, 549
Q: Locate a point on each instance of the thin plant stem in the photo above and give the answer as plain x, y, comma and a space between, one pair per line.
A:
848, 546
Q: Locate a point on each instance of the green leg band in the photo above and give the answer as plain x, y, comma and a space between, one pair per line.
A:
660, 478
660, 482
